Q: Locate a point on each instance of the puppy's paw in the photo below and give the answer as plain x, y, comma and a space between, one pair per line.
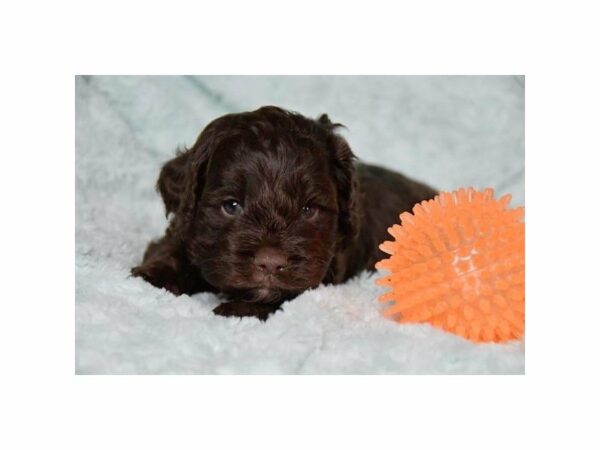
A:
244, 309
158, 275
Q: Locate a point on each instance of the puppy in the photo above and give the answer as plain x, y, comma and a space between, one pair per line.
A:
267, 204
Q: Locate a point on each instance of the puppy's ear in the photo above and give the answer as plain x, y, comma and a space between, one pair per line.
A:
344, 174
194, 177
171, 181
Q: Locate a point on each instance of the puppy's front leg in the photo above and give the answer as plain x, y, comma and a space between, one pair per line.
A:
165, 266
245, 309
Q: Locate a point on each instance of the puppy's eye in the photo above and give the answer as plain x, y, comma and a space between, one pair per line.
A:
309, 211
232, 208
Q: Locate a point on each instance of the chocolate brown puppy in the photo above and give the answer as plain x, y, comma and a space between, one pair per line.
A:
267, 204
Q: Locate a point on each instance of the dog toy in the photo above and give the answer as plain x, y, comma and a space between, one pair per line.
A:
458, 263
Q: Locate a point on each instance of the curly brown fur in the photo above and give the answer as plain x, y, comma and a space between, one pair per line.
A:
267, 204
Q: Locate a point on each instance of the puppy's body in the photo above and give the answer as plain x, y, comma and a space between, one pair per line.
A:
383, 195
268, 204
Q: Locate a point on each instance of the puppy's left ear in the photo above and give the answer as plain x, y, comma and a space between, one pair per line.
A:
344, 174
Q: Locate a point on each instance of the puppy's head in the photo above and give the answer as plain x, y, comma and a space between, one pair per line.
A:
266, 200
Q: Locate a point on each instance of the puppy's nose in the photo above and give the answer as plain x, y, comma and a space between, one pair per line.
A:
270, 260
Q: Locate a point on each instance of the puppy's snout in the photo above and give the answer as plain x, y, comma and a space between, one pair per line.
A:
270, 260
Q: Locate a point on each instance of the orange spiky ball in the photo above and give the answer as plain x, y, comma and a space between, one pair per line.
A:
458, 263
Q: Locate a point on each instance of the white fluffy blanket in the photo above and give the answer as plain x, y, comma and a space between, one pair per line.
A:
447, 131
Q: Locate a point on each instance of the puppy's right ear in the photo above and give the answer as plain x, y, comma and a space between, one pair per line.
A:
181, 178
195, 175
171, 181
